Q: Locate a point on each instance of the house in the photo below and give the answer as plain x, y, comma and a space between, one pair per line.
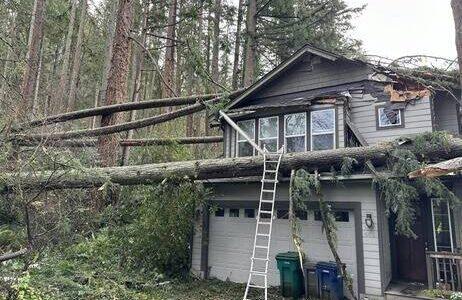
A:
319, 100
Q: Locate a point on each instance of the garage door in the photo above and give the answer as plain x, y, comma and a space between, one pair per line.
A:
232, 234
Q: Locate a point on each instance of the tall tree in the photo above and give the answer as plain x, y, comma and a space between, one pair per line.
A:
77, 56
110, 31
237, 45
457, 13
251, 44
64, 75
169, 58
33, 53
117, 84
216, 44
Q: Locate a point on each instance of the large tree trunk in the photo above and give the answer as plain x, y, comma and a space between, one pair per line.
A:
139, 65
251, 44
9, 55
39, 75
218, 168
169, 59
216, 44
109, 47
60, 101
77, 56
116, 91
237, 45
32, 57
457, 14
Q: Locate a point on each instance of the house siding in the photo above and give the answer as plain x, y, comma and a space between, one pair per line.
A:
445, 110
358, 192
417, 119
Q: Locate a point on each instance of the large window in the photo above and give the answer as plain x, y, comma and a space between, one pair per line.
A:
322, 129
442, 225
295, 132
392, 119
243, 147
268, 133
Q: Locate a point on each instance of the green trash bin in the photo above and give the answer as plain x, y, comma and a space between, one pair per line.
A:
291, 274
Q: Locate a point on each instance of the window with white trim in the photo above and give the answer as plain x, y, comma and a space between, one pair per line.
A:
442, 225
295, 132
243, 146
268, 133
322, 129
385, 121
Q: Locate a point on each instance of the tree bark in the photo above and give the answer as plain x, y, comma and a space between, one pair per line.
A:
60, 101
114, 4
237, 45
117, 82
139, 65
169, 58
9, 55
12, 255
126, 142
217, 168
39, 75
32, 56
216, 44
77, 56
457, 14
251, 45
110, 109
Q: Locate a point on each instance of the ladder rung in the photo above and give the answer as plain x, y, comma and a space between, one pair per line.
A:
268, 212
272, 161
258, 258
269, 180
263, 234
266, 201
258, 273
262, 247
268, 191
257, 286
270, 171
264, 223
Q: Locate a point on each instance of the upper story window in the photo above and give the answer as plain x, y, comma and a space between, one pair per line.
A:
393, 119
322, 129
268, 133
295, 132
243, 147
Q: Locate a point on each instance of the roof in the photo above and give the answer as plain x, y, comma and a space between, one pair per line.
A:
292, 60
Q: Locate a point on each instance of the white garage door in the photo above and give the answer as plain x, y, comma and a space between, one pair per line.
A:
231, 241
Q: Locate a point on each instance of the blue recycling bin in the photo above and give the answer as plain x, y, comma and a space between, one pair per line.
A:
330, 283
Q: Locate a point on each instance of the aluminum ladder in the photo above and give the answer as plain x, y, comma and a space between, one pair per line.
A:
258, 275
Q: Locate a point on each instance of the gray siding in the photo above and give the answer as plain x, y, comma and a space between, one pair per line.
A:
445, 110
196, 251
350, 192
417, 119
320, 73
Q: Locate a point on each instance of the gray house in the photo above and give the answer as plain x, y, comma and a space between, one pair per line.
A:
318, 100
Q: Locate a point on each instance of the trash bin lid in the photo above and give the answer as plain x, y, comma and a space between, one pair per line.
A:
326, 265
290, 255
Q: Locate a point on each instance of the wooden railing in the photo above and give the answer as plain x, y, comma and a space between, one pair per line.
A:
444, 270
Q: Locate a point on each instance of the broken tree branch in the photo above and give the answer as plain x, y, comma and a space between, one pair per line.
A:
126, 142
216, 168
110, 109
118, 127
439, 169
13, 255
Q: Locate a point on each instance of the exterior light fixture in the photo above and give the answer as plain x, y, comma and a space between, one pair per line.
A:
369, 221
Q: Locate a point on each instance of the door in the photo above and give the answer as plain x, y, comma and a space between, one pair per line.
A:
410, 252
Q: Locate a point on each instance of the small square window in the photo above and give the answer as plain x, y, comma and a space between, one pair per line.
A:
249, 213
388, 119
283, 214
234, 212
302, 215
220, 212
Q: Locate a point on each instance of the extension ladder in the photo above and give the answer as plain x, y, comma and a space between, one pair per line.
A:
258, 275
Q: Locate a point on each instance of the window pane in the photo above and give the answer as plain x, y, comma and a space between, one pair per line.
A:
268, 127
295, 124
220, 212
234, 212
248, 126
384, 121
282, 214
270, 144
322, 121
295, 144
322, 142
249, 213
245, 149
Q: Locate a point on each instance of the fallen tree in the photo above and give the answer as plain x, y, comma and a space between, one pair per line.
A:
110, 109
439, 169
220, 168
125, 142
117, 127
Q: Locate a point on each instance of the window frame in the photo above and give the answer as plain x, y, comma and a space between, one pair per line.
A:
450, 220
271, 138
391, 126
298, 135
244, 140
334, 132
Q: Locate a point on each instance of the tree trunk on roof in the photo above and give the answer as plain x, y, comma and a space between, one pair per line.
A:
116, 91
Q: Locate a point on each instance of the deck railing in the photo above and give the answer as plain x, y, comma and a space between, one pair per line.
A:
444, 270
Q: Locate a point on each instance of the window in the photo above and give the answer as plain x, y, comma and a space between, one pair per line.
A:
234, 212
283, 214
392, 120
268, 133
220, 212
249, 213
340, 216
295, 132
322, 129
442, 225
243, 147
